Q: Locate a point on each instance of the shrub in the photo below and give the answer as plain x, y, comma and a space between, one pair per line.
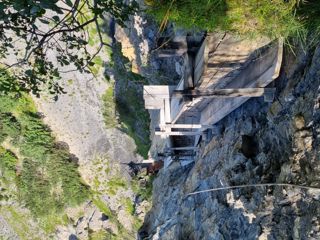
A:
8, 161
48, 180
36, 140
34, 189
8, 85
55, 183
9, 126
48, 174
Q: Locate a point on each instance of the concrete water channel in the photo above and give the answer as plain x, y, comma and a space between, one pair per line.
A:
221, 72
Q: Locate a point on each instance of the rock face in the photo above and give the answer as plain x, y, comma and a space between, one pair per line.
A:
78, 121
6, 231
258, 143
139, 45
85, 220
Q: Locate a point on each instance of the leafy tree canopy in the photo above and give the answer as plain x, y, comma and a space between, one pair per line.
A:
59, 25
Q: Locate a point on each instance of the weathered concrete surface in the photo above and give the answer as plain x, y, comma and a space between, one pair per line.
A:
224, 53
257, 143
258, 73
232, 63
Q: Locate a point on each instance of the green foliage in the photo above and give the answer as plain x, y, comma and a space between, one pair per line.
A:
309, 13
272, 19
122, 232
48, 180
134, 118
54, 181
96, 65
8, 84
115, 183
9, 126
144, 192
36, 140
129, 206
100, 235
103, 208
64, 31
49, 222
109, 108
20, 222
8, 161
190, 14
253, 18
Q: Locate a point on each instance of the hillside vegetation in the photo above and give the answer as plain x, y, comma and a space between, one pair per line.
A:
41, 177
252, 18
44, 173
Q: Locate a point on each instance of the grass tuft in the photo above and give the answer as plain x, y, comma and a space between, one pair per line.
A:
249, 18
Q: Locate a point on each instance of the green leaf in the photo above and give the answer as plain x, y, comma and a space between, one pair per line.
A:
44, 21
28, 72
69, 3
56, 18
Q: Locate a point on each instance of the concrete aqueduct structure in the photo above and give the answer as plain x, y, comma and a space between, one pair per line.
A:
221, 72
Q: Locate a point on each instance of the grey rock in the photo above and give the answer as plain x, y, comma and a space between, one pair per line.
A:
6, 232
286, 141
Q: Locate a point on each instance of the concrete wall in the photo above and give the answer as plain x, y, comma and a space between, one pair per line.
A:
259, 73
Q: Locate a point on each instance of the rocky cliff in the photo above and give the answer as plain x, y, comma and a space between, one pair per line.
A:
258, 143
84, 122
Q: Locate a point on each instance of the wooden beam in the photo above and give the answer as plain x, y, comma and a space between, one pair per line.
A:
223, 93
